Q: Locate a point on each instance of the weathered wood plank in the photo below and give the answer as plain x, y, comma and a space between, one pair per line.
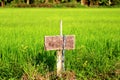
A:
56, 42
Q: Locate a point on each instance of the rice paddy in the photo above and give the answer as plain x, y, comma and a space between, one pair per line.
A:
97, 49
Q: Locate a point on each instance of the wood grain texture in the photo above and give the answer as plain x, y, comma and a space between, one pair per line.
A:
56, 42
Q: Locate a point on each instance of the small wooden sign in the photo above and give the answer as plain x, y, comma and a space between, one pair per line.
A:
58, 42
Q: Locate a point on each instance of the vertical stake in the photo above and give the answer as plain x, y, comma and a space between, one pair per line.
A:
61, 27
59, 56
59, 63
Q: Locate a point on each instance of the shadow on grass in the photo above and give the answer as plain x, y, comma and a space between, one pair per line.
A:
47, 58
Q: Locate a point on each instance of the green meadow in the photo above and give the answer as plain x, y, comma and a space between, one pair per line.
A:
97, 42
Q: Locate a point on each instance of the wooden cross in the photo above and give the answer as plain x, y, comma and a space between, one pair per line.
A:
60, 43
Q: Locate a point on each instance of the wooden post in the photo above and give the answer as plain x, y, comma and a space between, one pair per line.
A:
59, 62
59, 56
61, 28
60, 43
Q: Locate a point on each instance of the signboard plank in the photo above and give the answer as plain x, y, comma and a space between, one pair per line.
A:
56, 42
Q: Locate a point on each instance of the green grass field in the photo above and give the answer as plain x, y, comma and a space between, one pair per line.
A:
97, 51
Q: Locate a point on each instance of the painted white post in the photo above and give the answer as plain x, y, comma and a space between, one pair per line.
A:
59, 43
59, 56
61, 27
